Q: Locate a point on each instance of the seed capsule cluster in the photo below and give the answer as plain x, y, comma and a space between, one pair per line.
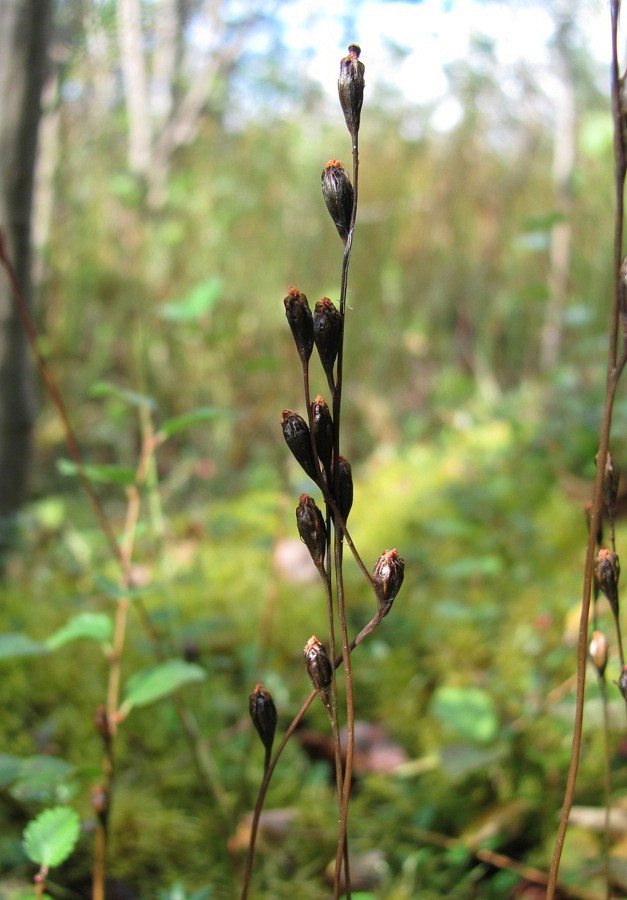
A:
313, 440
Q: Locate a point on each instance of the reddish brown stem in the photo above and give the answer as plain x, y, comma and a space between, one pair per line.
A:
614, 371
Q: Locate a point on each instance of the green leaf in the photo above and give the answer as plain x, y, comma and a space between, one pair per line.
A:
110, 589
9, 768
18, 644
41, 778
158, 681
193, 417
96, 626
467, 711
105, 474
195, 304
134, 398
461, 759
50, 838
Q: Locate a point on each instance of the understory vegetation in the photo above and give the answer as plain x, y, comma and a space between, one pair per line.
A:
472, 451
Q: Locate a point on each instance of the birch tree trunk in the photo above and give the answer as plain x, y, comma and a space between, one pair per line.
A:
564, 142
24, 31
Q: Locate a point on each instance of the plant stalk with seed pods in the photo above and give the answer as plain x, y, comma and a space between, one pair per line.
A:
604, 571
315, 443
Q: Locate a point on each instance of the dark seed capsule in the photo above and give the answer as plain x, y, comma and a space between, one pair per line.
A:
101, 722
350, 87
327, 323
312, 529
323, 431
606, 572
99, 801
339, 196
388, 574
611, 478
318, 665
300, 321
622, 683
298, 439
263, 715
597, 651
622, 289
345, 499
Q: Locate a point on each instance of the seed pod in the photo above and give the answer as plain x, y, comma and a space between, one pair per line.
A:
388, 574
263, 715
318, 666
345, 499
312, 530
327, 323
611, 478
298, 439
101, 723
606, 572
300, 321
622, 291
350, 87
323, 431
339, 196
622, 683
100, 803
597, 651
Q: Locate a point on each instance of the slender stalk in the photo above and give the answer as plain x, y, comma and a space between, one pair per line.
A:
615, 367
582, 646
122, 553
500, 861
269, 770
342, 841
98, 865
606, 785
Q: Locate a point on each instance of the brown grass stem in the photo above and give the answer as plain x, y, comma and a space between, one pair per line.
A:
338, 556
501, 861
615, 366
269, 770
342, 838
122, 553
606, 784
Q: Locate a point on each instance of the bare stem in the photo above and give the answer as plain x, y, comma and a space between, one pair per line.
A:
269, 769
122, 553
614, 371
342, 842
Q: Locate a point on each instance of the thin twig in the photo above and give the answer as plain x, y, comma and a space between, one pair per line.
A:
614, 370
268, 772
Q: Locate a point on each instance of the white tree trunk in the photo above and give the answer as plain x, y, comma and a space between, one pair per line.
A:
133, 66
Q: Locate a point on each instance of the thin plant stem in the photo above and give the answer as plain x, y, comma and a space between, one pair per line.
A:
122, 554
615, 366
500, 861
269, 770
338, 556
606, 784
328, 588
342, 838
582, 646
619, 639
98, 865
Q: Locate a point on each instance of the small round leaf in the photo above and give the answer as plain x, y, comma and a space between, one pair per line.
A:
50, 838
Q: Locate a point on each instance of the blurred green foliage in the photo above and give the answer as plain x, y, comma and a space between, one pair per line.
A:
466, 456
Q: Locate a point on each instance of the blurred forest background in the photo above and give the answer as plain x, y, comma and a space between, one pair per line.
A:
177, 196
